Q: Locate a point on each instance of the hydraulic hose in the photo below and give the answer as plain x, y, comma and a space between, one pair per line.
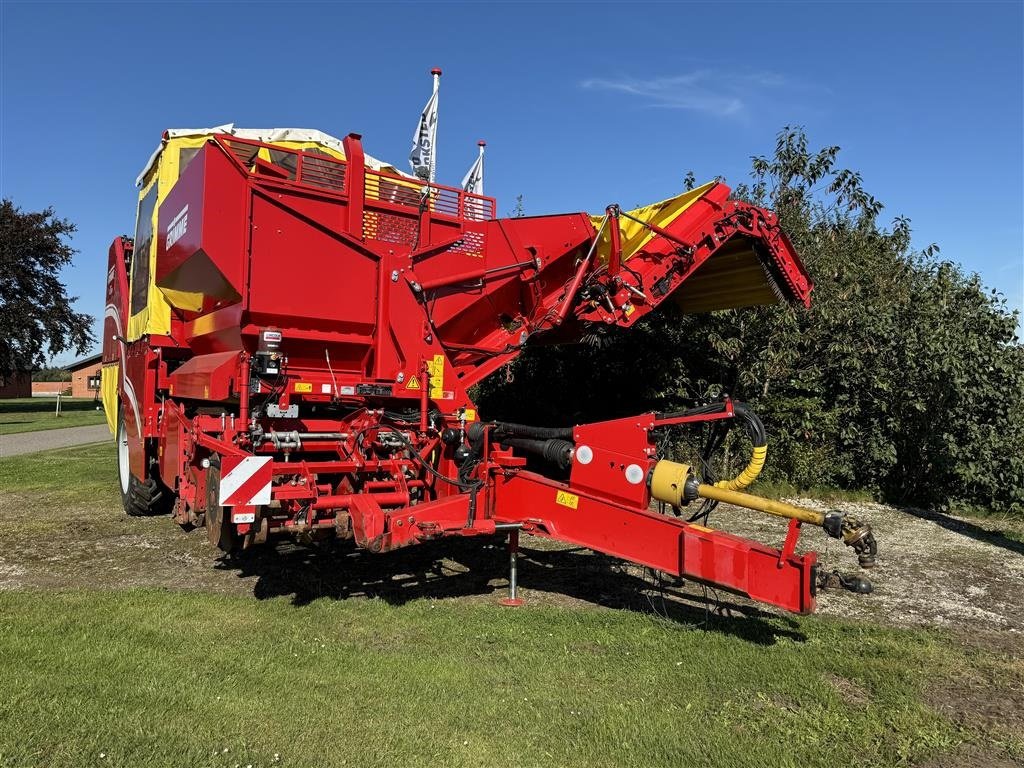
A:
503, 428
556, 451
755, 430
758, 436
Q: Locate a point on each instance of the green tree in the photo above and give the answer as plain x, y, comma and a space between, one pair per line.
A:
36, 312
51, 374
904, 377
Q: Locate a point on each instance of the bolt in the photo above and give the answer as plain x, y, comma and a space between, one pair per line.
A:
400, 378
394, 276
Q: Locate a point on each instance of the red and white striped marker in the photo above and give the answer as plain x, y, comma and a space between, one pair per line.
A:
245, 480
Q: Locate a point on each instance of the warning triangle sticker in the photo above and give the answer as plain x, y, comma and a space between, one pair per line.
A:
414, 383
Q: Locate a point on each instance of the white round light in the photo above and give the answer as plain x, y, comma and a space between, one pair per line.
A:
584, 454
634, 474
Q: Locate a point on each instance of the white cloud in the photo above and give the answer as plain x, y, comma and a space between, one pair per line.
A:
722, 94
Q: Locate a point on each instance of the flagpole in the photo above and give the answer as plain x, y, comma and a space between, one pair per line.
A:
481, 144
436, 72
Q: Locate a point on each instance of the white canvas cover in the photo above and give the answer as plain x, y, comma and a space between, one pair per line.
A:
269, 136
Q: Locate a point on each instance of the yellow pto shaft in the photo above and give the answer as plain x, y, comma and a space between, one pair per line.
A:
779, 508
675, 484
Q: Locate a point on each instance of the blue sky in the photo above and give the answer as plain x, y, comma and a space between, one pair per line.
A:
581, 104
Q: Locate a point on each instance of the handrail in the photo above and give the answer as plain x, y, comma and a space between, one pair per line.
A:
324, 172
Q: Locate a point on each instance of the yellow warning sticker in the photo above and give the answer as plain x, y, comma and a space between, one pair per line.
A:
630, 309
566, 499
414, 383
303, 386
470, 414
436, 369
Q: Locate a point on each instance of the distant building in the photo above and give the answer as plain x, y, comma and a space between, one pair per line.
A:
51, 388
83, 380
16, 385
85, 376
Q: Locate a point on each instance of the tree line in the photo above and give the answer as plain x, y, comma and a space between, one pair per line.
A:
905, 377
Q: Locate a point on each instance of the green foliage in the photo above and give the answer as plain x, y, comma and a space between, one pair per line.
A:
35, 311
52, 374
905, 378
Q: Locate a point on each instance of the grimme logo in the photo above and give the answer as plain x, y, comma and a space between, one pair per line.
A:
178, 227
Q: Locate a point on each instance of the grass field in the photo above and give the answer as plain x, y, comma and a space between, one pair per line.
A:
189, 676
35, 414
156, 678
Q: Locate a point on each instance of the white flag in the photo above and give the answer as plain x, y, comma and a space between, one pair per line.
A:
422, 156
473, 181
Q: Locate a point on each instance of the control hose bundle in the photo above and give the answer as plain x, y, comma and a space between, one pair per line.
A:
755, 431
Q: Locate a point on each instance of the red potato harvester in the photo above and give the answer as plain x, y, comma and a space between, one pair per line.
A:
291, 336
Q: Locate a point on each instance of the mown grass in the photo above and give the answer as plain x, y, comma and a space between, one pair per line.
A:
65, 476
158, 677
35, 414
153, 678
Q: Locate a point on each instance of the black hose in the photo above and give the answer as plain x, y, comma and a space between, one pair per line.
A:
461, 485
702, 410
751, 423
556, 451
502, 428
754, 426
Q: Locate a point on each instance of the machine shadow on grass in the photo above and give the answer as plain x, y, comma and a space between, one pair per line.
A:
461, 568
41, 404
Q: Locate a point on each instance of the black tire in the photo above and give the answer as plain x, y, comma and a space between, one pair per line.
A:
219, 531
140, 498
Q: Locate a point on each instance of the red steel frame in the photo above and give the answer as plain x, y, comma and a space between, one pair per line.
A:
393, 297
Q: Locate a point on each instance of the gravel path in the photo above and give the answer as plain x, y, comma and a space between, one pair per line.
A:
30, 442
934, 569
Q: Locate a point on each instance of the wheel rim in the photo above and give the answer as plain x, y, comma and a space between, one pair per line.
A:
122, 457
214, 522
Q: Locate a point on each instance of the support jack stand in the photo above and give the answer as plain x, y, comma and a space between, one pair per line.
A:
513, 599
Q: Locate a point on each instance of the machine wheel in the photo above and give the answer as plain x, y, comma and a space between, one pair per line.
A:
139, 497
219, 530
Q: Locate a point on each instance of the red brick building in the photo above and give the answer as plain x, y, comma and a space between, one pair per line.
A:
16, 385
51, 388
85, 376
82, 380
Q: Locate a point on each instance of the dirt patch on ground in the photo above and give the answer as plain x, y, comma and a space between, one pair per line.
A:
933, 571
851, 692
970, 757
984, 699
